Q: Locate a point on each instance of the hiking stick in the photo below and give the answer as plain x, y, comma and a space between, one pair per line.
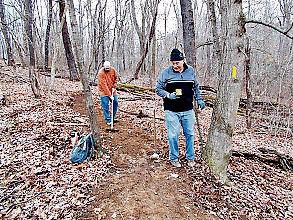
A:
201, 141
112, 109
155, 131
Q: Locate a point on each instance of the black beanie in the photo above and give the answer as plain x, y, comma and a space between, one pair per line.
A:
176, 55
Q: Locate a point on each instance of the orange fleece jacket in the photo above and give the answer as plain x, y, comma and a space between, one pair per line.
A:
106, 81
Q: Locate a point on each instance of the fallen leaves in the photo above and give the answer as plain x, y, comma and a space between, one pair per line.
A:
37, 179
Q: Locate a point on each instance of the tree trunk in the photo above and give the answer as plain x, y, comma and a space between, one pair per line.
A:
4, 28
29, 31
140, 32
84, 78
19, 50
34, 79
146, 49
217, 54
47, 39
218, 149
188, 32
57, 44
67, 45
248, 84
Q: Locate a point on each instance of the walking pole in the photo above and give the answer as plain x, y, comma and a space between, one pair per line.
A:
201, 141
112, 109
155, 130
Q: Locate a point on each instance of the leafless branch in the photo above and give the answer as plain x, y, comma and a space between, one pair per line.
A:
273, 27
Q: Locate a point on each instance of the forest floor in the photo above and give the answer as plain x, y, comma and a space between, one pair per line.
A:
39, 182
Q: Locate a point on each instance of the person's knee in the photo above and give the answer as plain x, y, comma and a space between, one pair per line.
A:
172, 134
188, 133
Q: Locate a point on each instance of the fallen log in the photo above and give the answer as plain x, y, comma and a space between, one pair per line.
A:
208, 93
268, 156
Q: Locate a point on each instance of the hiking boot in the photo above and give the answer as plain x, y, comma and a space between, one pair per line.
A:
176, 164
191, 163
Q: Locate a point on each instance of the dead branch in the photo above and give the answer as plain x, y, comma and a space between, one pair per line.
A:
268, 156
203, 44
271, 26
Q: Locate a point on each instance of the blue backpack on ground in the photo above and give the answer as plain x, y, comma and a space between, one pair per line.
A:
83, 150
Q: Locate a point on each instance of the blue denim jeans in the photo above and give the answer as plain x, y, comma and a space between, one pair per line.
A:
174, 121
106, 107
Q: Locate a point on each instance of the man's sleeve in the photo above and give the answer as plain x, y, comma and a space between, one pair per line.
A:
160, 86
197, 94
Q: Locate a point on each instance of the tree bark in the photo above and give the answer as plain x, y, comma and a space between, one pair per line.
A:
4, 28
57, 45
34, 79
217, 54
47, 39
248, 84
67, 45
146, 49
84, 78
188, 32
140, 32
218, 149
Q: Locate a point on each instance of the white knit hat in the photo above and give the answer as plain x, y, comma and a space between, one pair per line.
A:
107, 65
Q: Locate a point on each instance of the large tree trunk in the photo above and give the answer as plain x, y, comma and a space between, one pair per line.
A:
188, 32
84, 78
50, 12
218, 149
4, 28
34, 79
67, 45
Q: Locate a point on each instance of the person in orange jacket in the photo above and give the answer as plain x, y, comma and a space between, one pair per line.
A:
107, 84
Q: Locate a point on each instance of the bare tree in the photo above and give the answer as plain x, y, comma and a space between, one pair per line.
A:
50, 12
248, 83
4, 28
84, 78
188, 31
217, 54
35, 84
140, 31
57, 42
218, 149
148, 43
67, 44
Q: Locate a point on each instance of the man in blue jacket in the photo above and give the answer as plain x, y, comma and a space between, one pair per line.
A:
178, 85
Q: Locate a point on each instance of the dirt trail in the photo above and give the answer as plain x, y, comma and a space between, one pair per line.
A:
139, 187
